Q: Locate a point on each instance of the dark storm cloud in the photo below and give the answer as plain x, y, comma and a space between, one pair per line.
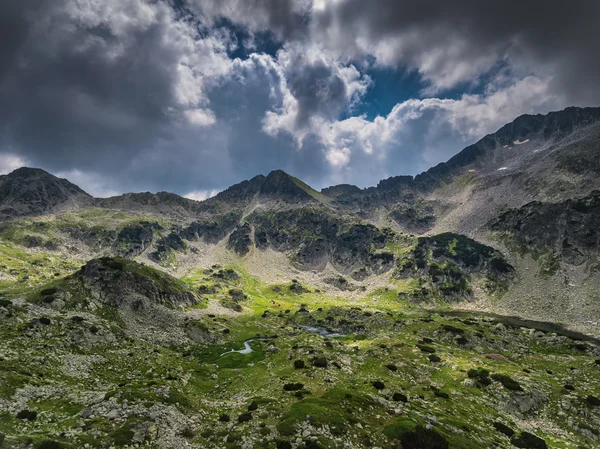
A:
287, 19
69, 89
145, 94
560, 38
317, 87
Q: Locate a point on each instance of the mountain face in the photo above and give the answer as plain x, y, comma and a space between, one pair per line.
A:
29, 191
267, 316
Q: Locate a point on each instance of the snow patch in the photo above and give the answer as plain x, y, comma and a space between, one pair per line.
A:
518, 142
502, 168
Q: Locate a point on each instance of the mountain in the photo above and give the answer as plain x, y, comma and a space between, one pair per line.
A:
456, 309
161, 203
546, 157
32, 191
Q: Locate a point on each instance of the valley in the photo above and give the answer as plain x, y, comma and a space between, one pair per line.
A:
456, 309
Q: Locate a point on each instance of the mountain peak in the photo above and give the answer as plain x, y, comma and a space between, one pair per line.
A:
33, 191
289, 188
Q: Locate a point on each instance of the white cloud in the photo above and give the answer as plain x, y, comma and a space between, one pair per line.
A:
95, 184
417, 134
10, 162
201, 195
200, 117
338, 158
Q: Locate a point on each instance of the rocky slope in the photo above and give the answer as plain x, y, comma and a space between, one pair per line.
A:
30, 191
90, 371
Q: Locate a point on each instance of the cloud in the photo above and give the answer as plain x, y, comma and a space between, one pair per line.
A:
417, 134
450, 43
130, 95
89, 84
287, 19
314, 88
201, 195
10, 162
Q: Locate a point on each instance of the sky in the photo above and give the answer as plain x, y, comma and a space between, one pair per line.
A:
191, 96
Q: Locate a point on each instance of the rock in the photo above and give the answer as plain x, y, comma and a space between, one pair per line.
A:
113, 414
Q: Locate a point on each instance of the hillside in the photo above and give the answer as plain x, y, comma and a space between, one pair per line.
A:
454, 309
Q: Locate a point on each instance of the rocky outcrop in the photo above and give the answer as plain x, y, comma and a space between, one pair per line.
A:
136, 238
568, 229
163, 203
126, 284
446, 265
240, 240
313, 237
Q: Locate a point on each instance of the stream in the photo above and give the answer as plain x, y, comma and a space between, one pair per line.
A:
247, 348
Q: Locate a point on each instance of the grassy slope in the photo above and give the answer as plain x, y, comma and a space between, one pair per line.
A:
198, 383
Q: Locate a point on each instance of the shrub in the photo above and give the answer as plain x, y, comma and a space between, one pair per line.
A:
320, 362
378, 385
245, 417
299, 364
422, 438
426, 349
507, 381
28, 415
49, 445
504, 429
593, 400
399, 397
527, 440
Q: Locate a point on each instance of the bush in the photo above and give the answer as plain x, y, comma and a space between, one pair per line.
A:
399, 397
426, 349
299, 364
593, 400
188, 433
48, 292
49, 445
283, 444
293, 387
480, 375
244, 417
320, 362
422, 438
378, 385
508, 382
28, 415
504, 429
527, 440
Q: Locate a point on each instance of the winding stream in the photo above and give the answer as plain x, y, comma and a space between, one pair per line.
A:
247, 348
